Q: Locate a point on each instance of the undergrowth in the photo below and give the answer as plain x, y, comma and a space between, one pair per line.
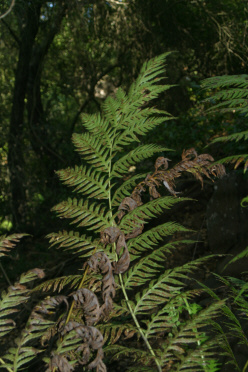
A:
125, 305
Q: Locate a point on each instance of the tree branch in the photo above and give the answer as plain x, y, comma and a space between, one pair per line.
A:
8, 11
11, 32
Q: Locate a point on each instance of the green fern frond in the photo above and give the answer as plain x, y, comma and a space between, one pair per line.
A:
146, 268
57, 284
13, 297
87, 181
140, 153
237, 159
93, 215
147, 211
119, 351
145, 87
190, 334
93, 150
112, 331
9, 242
239, 81
18, 357
168, 285
72, 241
150, 238
139, 123
166, 318
232, 137
231, 99
97, 125
125, 189
66, 347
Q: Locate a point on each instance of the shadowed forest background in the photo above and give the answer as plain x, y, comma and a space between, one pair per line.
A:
61, 59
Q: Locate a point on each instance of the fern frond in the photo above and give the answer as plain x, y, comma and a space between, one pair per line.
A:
168, 285
139, 123
201, 358
93, 215
231, 99
165, 319
147, 211
118, 351
112, 331
150, 238
87, 181
9, 242
98, 126
190, 334
125, 189
66, 347
93, 150
146, 268
13, 297
237, 159
72, 241
140, 153
57, 284
232, 137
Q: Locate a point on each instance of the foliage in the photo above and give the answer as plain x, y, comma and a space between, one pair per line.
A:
125, 292
231, 96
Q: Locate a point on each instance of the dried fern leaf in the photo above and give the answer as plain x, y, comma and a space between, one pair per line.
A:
9, 242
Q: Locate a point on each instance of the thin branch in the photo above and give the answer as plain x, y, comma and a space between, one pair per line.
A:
8, 11
11, 32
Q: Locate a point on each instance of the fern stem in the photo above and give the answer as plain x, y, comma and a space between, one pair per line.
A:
80, 286
138, 325
245, 367
9, 369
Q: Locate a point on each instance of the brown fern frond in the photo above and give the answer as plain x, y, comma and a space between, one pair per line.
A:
60, 363
9, 242
92, 340
115, 235
88, 301
100, 261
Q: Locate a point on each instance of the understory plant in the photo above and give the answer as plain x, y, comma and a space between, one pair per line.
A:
126, 306
228, 94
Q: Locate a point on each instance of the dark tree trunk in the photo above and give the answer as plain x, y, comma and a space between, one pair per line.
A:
33, 49
15, 143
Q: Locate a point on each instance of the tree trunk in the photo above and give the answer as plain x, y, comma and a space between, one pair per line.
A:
15, 143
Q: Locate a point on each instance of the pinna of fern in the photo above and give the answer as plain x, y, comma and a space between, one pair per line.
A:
229, 94
125, 291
